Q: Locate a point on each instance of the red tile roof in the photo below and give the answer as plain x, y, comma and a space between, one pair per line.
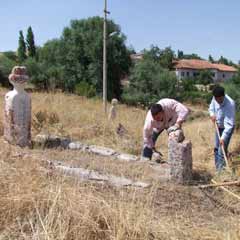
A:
201, 65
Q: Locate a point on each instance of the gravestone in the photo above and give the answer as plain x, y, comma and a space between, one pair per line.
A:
113, 110
179, 157
17, 110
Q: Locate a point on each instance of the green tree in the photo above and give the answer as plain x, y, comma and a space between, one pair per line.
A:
205, 77
31, 49
11, 55
149, 81
162, 56
180, 54
81, 55
223, 60
210, 59
6, 65
21, 52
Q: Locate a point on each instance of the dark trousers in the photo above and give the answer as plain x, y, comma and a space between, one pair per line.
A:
148, 152
218, 154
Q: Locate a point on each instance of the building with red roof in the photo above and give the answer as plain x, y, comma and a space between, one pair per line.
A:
186, 68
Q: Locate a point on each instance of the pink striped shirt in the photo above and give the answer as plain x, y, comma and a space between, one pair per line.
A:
173, 112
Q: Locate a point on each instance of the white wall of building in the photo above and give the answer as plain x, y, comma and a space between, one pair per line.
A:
218, 76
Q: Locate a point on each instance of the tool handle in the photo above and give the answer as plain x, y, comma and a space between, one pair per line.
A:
223, 150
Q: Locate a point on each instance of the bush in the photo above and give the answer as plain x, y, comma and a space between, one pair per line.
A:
6, 66
85, 89
149, 82
196, 97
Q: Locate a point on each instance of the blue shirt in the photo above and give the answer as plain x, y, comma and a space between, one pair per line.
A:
225, 114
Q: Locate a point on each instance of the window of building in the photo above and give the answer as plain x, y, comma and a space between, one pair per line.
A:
213, 74
195, 74
223, 75
188, 74
182, 74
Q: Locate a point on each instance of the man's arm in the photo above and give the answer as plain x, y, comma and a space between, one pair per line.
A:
182, 113
211, 111
229, 121
147, 132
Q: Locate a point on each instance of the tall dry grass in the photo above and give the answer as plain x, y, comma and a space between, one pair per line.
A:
37, 205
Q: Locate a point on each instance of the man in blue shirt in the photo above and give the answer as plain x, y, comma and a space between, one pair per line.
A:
222, 111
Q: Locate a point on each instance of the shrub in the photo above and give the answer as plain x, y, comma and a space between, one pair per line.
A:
85, 89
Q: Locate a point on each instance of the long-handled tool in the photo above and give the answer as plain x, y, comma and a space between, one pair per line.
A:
223, 150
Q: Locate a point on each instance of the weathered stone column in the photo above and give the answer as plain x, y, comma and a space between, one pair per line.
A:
113, 110
17, 110
179, 157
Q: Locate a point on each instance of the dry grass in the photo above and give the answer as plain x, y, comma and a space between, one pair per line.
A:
36, 205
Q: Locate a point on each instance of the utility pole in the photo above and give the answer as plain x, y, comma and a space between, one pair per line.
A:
105, 57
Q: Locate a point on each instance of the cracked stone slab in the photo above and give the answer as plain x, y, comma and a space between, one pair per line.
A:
127, 157
85, 174
103, 151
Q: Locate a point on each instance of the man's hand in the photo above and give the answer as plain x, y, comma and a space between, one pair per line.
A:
213, 118
222, 142
173, 128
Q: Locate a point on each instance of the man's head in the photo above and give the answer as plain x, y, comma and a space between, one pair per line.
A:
157, 112
219, 94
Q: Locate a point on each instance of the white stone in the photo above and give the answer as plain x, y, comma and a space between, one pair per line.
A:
17, 110
127, 157
177, 135
77, 146
101, 150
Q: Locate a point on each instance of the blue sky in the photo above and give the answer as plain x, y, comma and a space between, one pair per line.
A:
203, 27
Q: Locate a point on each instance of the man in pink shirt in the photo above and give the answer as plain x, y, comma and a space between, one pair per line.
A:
165, 114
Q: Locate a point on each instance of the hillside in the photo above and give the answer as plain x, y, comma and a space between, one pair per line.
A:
37, 203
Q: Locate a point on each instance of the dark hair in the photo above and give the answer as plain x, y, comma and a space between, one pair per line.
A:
218, 91
155, 109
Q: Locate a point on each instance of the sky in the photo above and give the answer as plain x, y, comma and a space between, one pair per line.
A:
202, 27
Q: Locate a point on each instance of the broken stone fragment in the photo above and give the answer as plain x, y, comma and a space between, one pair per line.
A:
77, 146
177, 135
50, 141
85, 174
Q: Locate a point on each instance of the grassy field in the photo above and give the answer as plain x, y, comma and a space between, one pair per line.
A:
37, 205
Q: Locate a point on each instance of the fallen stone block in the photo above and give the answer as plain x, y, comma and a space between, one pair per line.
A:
103, 151
50, 141
127, 157
77, 146
85, 174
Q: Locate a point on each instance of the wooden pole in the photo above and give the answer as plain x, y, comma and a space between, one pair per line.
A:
220, 184
223, 150
105, 58
226, 190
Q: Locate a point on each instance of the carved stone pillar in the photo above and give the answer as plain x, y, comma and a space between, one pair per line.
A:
113, 110
17, 110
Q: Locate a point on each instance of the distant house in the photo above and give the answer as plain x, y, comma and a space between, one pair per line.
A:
185, 68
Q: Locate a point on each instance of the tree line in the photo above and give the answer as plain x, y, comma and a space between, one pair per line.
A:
73, 63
